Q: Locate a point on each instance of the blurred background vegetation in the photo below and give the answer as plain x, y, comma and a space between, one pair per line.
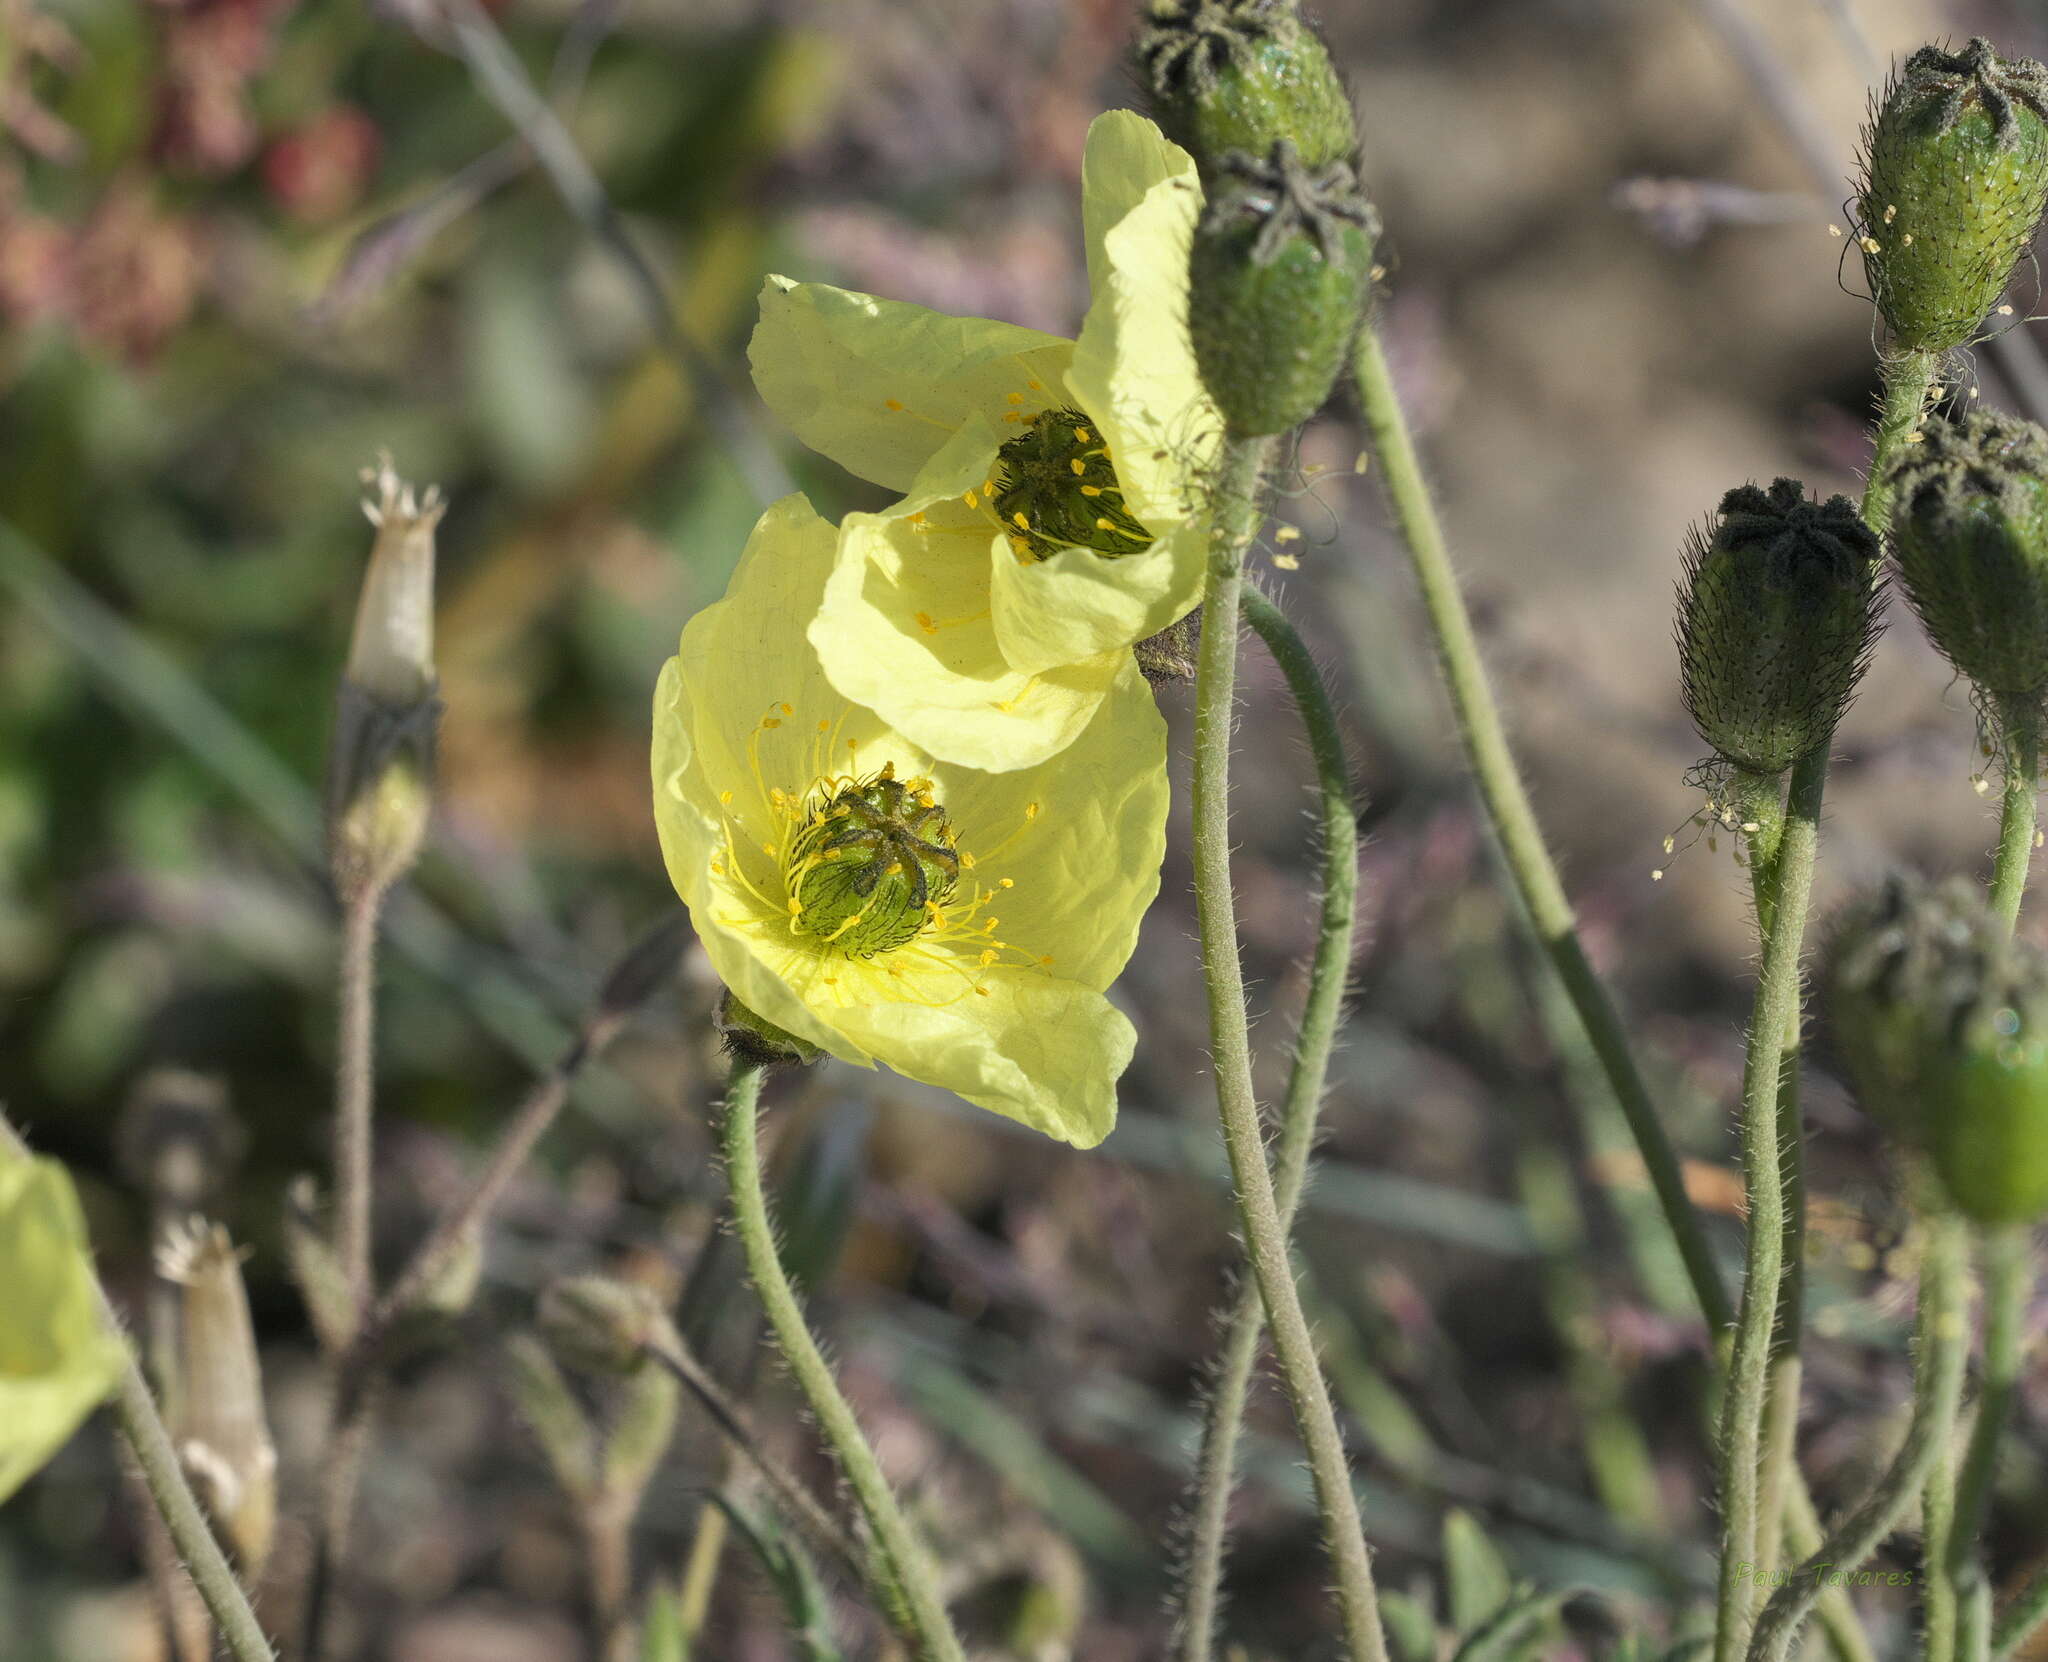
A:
245, 244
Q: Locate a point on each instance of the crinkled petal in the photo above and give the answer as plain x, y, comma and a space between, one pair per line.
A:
1134, 365
1078, 603
907, 626
879, 385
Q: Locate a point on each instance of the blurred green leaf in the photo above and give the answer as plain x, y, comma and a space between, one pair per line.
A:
1476, 1577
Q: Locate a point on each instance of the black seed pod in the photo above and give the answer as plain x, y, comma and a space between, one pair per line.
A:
1941, 1023
1777, 612
1954, 173
1237, 76
1278, 283
1970, 538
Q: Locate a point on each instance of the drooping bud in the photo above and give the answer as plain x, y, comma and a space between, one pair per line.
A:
1170, 654
1279, 278
1777, 612
315, 1270
871, 865
380, 765
1898, 961
749, 1037
58, 1357
599, 1324
1954, 174
219, 1427
1970, 536
1239, 75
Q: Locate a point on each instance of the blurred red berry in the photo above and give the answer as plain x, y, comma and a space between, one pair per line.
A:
319, 170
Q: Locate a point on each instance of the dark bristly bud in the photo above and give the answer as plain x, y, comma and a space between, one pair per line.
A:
1170, 654
1970, 538
1777, 612
1954, 174
218, 1426
1278, 282
748, 1037
380, 765
1942, 1023
1230, 76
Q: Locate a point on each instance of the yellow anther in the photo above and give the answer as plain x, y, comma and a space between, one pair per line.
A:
1045, 962
983, 991
917, 518
1083, 436
924, 622
971, 500
989, 928
1014, 415
1003, 883
1833, 231
789, 709
1017, 519
988, 488
824, 726
986, 959
725, 799
1105, 525
1078, 465
966, 861
1891, 213
1287, 533
771, 722
1035, 386
1031, 810
768, 849
892, 404
717, 870
1871, 245
1013, 398
1089, 490
1287, 562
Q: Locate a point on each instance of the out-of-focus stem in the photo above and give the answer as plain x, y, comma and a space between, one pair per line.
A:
1216, 1465
354, 1090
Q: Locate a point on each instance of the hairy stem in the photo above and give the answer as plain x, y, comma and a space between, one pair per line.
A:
907, 1562
148, 1440
2016, 823
1942, 1353
1216, 1466
1236, 519
2008, 1289
1514, 820
1773, 1025
354, 1087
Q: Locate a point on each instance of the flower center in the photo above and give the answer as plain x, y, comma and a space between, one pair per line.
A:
1056, 487
870, 865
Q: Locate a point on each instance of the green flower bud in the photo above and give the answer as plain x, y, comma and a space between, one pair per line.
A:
1970, 536
1238, 76
1941, 1020
1955, 170
1898, 962
1777, 612
871, 865
599, 1325
1278, 283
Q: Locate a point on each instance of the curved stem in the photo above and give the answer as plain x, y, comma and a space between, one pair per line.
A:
1773, 1026
1943, 1351
910, 1568
1216, 1466
1236, 519
1514, 820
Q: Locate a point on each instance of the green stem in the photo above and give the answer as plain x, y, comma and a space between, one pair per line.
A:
1937, 1539
1939, 1364
1514, 820
1773, 1025
143, 1429
2022, 740
1236, 519
2008, 1289
1216, 1466
910, 1568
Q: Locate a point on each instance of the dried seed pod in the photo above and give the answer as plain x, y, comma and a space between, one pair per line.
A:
1970, 538
1231, 76
1278, 283
1954, 174
1777, 612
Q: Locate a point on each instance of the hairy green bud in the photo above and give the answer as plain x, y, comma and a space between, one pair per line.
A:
1954, 174
1278, 283
1898, 960
1236, 76
1777, 611
1942, 1023
1970, 538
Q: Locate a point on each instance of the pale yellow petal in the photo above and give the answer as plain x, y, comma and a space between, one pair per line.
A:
1077, 603
1134, 365
879, 385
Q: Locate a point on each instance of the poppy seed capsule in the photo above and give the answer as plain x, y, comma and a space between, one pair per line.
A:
1237, 76
1954, 173
1277, 287
1970, 539
1898, 962
1777, 611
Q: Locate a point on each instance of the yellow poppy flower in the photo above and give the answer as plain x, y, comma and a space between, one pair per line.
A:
57, 1357
959, 925
1051, 515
